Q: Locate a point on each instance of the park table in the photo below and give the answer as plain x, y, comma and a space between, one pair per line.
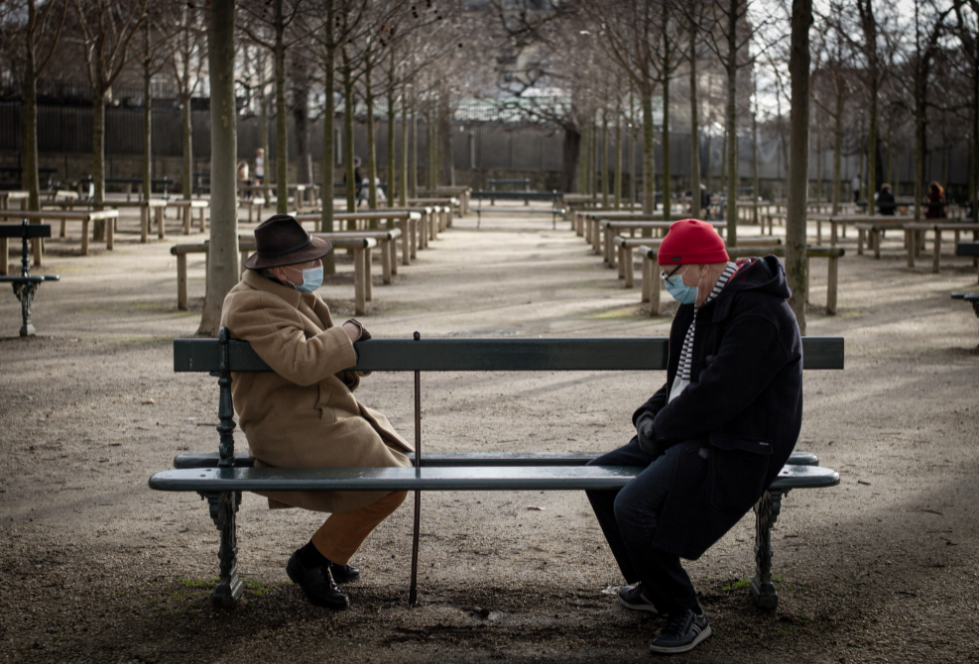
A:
128, 185
188, 205
613, 227
577, 217
6, 197
590, 219
461, 192
84, 216
408, 221
915, 230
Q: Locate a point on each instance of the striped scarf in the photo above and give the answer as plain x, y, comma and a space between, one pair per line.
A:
686, 354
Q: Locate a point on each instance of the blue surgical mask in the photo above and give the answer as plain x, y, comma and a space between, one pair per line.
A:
680, 291
312, 279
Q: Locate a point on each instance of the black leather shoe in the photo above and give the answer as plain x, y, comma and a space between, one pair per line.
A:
318, 584
344, 573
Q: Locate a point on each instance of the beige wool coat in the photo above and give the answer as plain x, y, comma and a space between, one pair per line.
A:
304, 414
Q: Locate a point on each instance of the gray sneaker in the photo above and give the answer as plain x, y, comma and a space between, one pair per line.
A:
632, 597
682, 633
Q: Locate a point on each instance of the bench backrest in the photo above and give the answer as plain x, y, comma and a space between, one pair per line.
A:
555, 354
25, 230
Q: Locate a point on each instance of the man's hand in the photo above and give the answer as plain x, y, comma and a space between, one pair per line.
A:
644, 430
355, 330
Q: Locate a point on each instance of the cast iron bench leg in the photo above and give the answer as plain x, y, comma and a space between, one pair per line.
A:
224, 506
25, 293
762, 589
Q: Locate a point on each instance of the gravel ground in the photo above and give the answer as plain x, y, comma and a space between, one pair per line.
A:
95, 567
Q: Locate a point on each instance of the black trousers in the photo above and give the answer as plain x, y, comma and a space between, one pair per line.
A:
629, 516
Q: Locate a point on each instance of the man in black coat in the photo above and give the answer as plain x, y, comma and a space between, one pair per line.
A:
714, 437
885, 200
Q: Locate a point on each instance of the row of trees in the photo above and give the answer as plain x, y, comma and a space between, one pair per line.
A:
586, 67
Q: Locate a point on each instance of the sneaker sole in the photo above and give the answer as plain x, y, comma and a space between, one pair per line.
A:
648, 608
681, 649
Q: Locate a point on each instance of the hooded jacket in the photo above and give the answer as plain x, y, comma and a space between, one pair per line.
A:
743, 405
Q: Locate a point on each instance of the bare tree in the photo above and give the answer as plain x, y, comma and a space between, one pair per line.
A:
798, 185
222, 264
107, 29
186, 66
42, 32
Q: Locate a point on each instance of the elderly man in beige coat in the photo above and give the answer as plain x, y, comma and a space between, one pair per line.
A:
303, 413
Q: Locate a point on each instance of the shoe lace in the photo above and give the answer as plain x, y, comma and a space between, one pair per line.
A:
677, 623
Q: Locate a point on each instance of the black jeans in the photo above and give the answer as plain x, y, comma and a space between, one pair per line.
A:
629, 516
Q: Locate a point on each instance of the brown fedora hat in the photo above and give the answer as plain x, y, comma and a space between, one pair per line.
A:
281, 240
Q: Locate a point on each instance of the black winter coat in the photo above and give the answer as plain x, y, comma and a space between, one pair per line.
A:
744, 404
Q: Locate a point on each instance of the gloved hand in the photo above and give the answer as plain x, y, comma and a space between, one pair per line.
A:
644, 430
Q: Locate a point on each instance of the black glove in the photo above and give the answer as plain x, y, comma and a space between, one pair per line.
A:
644, 431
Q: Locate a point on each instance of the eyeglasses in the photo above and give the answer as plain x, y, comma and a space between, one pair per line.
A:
666, 277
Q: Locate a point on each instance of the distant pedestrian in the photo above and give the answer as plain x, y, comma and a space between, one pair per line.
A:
855, 183
885, 200
242, 177
936, 202
259, 166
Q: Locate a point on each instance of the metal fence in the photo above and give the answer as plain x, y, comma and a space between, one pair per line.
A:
486, 146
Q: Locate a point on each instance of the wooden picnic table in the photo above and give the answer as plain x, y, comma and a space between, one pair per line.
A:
876, 226
651, 280
7, 197
626, 245
407, 221
188, 206
254, 203
462, 193
85, 217
246, 245
612, 227
128, 184
590, 218
914, 237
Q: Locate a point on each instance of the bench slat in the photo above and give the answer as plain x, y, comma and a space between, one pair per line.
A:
459, 459
615, 354
25, 230
482, 478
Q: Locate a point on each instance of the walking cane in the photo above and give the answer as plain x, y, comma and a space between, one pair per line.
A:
413, 591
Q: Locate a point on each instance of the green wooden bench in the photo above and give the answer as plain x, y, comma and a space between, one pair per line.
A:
25, 285
221, 477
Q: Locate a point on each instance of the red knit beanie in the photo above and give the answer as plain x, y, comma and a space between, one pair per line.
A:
692, 241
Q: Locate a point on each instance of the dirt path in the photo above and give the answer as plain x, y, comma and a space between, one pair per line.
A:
96, 567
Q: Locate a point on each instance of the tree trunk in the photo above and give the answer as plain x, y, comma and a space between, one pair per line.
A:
838, 149
371, 141
754, 159
695, 210
147, 133
414, 149
648, 155
281, 126
98, 158
29, 137
222, 264
604, 159
329, 115
585, 156
391, 176
618, 159
667, 185
300, 116
188, 141
445, 138
403, 187
570, 156
732, 142
795, 225
348, 135
264, 128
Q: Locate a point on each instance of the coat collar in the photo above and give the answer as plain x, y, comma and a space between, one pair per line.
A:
260, 283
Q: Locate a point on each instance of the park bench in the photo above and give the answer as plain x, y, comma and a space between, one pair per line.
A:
255, 205
406, 221
519, 182
592, 231
914, 238
220, 478
624, 247
971, 298
44, 175
612, 227
651, 280
187, 207
444, 205
86, 217
127, 185
460, 193
25, 285
968, 249
360, 245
